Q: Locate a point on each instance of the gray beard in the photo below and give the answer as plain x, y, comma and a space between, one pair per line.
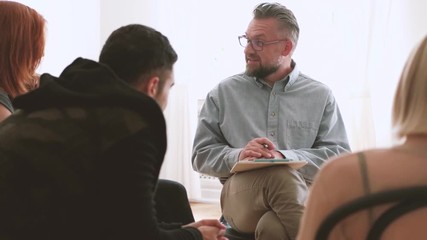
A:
262, 72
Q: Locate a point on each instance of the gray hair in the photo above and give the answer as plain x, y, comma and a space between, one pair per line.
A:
284, 16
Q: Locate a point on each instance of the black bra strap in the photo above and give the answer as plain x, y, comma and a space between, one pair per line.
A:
365, 181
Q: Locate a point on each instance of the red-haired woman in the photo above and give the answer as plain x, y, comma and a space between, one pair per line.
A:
22, 47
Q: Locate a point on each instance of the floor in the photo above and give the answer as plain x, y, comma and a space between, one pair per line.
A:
205, 210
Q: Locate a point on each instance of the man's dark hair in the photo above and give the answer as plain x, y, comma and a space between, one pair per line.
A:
136, 52
284, 16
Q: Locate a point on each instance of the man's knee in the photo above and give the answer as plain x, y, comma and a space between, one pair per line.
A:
248, 196
287, 183
284, 174
269, 227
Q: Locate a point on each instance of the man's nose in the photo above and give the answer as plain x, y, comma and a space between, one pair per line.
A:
249, 49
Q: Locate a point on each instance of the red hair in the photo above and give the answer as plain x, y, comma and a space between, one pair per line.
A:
22, 41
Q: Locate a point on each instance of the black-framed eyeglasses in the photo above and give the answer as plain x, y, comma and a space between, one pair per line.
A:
257, 45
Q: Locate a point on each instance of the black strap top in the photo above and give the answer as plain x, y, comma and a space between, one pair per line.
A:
5, 100
365, 181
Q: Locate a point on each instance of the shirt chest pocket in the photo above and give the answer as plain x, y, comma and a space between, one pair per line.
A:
300, 134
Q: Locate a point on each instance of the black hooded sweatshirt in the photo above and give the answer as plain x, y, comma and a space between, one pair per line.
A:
80, 159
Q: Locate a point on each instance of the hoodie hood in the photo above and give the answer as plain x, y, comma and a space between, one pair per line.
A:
86, 83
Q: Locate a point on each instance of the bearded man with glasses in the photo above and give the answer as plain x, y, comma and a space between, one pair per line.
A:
270, 111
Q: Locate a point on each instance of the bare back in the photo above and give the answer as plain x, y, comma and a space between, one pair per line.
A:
341, 180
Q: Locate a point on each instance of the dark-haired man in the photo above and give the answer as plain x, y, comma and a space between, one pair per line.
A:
80, 158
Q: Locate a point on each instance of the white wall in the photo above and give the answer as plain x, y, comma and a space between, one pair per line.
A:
356, 47
72, 31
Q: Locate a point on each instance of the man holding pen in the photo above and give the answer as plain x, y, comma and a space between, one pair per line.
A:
270, 111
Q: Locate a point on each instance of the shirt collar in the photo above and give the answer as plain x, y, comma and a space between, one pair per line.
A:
293, 76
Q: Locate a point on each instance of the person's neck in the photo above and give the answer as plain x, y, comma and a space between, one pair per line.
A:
416, 143
416, 140
278, 75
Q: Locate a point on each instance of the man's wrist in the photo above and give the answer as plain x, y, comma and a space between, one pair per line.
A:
278, 155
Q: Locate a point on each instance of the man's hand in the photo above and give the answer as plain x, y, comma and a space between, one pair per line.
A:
259, 148
211, 229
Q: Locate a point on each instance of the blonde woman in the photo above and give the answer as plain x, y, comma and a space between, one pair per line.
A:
351, 176
22, 44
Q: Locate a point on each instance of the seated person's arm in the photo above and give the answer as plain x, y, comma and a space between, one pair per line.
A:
212, 155
130, 171
4, 112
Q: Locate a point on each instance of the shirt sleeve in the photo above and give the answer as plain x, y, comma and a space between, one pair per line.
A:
211, 152
331, 140
130, 173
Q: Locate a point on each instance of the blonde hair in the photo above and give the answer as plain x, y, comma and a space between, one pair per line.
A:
410, 101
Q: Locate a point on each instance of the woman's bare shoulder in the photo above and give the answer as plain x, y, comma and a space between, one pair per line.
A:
345, 169
348, 161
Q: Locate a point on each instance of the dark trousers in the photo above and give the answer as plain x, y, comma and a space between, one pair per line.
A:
172, 205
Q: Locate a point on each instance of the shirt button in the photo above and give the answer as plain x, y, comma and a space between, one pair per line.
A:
272, 134
273, 114
274, 93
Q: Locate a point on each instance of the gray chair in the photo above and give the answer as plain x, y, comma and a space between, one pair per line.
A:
405, 199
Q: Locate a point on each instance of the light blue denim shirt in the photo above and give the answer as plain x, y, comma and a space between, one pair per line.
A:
298, 114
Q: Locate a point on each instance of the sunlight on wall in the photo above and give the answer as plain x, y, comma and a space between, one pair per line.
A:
72, 31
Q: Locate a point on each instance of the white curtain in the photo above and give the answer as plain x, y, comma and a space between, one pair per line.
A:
177, 163
395, 26
362, 46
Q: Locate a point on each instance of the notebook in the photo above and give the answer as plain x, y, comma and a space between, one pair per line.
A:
247, 165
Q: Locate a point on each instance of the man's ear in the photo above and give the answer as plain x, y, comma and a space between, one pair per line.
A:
151, 86
288, 48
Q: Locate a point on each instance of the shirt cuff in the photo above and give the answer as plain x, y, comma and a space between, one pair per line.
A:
233, 157
289, 154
